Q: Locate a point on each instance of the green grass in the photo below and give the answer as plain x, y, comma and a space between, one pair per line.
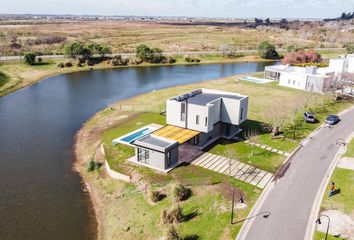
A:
3, 79
343, 179
321, 236
133, 124
350, 149
261, 158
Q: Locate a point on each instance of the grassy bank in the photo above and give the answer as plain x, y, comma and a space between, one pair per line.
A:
15, 74
121, 206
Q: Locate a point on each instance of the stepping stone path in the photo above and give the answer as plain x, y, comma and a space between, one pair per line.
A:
268, 148
241, 171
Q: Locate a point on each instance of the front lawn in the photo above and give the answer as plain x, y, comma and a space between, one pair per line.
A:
343, 179
260, 158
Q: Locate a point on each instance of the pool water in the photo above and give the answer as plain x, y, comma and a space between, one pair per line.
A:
136, 135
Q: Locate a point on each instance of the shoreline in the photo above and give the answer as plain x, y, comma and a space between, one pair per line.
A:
104, 66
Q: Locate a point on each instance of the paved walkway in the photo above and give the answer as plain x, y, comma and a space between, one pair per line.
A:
268, 148
239, 170
291, 200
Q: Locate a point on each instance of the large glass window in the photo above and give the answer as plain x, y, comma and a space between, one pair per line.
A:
197, 119
143, 155
241, 117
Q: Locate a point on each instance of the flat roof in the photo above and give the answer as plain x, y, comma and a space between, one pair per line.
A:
204, 96
181, 135
155, 142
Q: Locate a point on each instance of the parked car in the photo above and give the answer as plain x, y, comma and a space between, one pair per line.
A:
332, 119
309, 117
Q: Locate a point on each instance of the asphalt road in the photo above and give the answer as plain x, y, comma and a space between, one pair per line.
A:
290, 201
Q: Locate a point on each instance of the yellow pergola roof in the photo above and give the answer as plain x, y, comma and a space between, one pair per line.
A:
178, 134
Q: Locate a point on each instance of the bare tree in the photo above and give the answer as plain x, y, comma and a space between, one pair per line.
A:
333, 84
251, 135
230, 153
276, 115
348, 82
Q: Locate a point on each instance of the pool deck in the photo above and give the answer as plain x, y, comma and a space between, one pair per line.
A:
152, 126
255, 80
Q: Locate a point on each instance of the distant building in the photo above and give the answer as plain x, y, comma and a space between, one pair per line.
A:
310, 78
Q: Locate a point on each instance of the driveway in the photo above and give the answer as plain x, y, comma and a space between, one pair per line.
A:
290, 201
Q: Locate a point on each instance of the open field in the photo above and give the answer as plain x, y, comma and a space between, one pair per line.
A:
116, 214
124, 36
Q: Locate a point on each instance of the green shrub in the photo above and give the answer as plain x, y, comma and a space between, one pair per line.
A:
68, 64
169, 60
30, 58
155, 196
119, 61
61, 65
181, 192
267, 51
192, 59
40, 60
93, 165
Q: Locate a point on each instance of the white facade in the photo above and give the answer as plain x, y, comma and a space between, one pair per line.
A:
201, 109
309, 78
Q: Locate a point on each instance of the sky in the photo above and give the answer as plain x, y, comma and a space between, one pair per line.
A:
205, 8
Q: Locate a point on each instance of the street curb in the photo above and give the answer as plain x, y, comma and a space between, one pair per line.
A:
311, 226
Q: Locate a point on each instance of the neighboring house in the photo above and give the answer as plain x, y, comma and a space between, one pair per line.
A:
194, 121
310, 78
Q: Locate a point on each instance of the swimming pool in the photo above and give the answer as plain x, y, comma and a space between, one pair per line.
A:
132, 136
256, 80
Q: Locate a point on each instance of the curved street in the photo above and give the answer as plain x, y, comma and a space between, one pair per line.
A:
291, 199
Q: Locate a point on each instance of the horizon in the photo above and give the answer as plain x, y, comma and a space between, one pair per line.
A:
184, 8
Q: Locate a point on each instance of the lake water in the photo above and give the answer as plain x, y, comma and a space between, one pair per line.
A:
40, 195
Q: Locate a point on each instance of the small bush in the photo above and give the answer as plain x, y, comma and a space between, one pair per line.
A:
135, 61
119, 61
68, 64
175, 215
181, 192
30, 58
61, 65
192, 59
79, 64
40, 60
93, 165
172, 233
169, 60
155, 196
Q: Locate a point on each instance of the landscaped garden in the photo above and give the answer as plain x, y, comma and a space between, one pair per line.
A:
128, 210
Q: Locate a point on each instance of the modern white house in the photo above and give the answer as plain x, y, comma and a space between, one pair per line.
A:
212, 113
194, 121
311, 78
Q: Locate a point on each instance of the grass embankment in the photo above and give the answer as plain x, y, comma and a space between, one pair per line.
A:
322, 236
16, 74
